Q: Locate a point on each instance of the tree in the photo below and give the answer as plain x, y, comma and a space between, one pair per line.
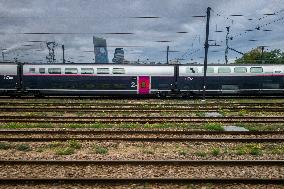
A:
256, 56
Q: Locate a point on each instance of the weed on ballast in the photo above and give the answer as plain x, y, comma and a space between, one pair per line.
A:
23, 147
214, 127
252, 149
64, 151
4, 146
183, 152
74, 144
100, 149
201, 154
215, 151
200, 114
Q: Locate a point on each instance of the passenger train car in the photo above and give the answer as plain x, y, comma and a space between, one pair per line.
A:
122, 79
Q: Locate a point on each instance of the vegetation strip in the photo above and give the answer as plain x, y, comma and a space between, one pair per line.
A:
143, 162
136, 139
120, 119
126, 109
138, 117
185, 132
143, 180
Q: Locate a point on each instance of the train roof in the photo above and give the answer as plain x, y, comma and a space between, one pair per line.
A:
105, 64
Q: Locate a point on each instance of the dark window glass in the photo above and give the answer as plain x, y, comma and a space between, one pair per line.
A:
54, 70
41, 70
87, 71
71, 70
32, 70
102, 70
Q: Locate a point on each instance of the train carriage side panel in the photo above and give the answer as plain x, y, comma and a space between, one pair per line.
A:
83, 79
233, 79
8, 78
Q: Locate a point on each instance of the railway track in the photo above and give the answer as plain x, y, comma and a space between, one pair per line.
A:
138, 136
114, 171
136, 107
136, 110
121, 97
140, 119
135, 104
134, 132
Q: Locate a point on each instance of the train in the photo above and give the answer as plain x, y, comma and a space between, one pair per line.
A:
79, 79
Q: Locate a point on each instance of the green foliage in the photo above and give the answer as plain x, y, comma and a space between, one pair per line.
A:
243, 112
100, 149
74, 144
64, 151
215, 151
224, 112
55, 144
201, 154
200, 114
182, 152
23, 147
214, 127
4, 146
252, 149
255, 56
277, 150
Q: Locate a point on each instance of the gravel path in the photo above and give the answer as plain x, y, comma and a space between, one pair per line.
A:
144, 186
139, 171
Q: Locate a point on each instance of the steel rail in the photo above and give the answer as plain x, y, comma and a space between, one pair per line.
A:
141, 180
131, 132
140, 119
148, 110
145, 139
136, 121
137, 117
143, 104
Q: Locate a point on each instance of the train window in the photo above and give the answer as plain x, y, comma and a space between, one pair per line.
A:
71, 70
87, 71
54, 70
224, 70
277, 71
32, 70
256, 70
209, 70
118, 71
41, 70
190, 70
240, 69
102, 70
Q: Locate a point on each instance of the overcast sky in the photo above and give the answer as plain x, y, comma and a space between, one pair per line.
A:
85, 18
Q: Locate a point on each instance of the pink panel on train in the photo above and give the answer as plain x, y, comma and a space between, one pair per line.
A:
144, 85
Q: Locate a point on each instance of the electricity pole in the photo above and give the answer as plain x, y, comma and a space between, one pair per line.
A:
262, 49
206, 46
63, 55
168, 49
227, 45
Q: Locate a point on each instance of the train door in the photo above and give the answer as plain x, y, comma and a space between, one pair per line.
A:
144, 84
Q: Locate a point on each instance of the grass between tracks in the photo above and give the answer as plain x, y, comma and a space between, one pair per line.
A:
213, 126
181, 150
